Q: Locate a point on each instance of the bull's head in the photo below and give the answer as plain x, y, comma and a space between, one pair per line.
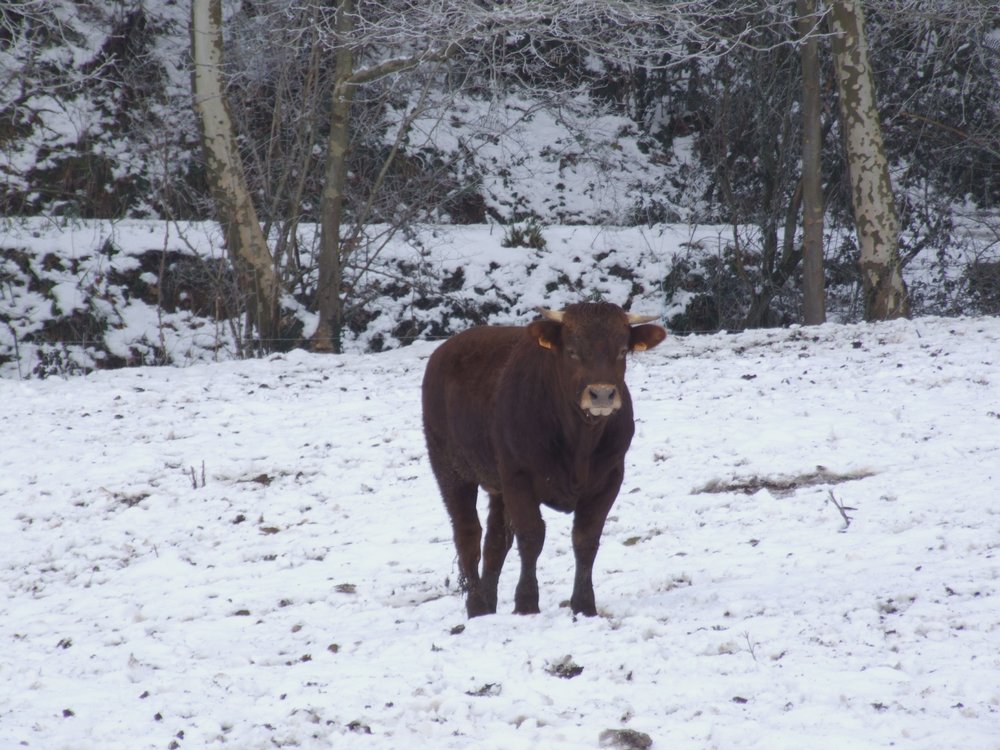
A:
590, 341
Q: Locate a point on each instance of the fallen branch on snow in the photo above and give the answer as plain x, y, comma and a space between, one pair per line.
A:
843, 510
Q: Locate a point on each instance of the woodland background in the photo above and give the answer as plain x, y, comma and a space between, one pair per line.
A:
522, 117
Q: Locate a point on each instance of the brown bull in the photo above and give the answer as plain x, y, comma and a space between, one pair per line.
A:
532, 415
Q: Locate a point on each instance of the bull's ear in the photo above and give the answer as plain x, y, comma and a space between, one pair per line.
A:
646, 337
547, 333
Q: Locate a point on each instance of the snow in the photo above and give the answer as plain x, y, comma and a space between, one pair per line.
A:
72, 259
570, 164
254, 555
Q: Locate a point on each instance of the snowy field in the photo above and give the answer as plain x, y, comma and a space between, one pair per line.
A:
254, 555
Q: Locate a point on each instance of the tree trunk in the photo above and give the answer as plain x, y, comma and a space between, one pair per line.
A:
813, 297
331, 254
875, 217
245, 242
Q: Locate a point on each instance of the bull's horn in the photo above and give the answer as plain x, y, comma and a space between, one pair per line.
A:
555, 315
634, 320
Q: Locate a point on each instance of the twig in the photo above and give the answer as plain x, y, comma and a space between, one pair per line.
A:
843, 510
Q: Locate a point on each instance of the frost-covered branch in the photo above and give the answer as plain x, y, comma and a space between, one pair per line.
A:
391, 36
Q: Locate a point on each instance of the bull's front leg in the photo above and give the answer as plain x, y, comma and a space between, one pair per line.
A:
588, 525
529, 529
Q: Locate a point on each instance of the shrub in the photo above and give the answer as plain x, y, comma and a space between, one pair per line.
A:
527, 235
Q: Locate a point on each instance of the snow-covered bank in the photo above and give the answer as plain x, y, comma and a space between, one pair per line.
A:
254, 555
80, 295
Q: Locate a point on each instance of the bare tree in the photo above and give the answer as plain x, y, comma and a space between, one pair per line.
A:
373, 46
813, 297
336, 249
875, 217
245, 242
427, 33
331, 254
939, 74
750, 134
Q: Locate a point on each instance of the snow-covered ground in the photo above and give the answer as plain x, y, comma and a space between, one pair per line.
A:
254, 555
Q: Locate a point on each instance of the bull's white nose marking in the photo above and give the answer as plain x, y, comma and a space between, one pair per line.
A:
601, 412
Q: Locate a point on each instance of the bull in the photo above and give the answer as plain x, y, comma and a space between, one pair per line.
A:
534, 415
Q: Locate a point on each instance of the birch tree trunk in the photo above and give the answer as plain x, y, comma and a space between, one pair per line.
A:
813, 295
875, 217
245, 242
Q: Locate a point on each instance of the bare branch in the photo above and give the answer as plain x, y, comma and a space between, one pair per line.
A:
842, 509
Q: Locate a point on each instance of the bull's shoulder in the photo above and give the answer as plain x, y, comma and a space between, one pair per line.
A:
469, 364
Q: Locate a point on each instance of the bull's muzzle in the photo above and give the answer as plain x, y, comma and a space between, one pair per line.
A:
600, 399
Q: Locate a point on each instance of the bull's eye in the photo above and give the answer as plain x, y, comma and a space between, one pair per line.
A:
573, 353
623, 352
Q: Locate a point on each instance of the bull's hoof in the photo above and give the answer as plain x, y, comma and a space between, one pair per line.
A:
477, 606
585, 608
526, 598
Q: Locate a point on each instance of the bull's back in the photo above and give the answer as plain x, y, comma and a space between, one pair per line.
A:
458, 394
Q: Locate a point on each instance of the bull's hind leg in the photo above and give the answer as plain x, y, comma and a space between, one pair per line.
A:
460, 499
499, 539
